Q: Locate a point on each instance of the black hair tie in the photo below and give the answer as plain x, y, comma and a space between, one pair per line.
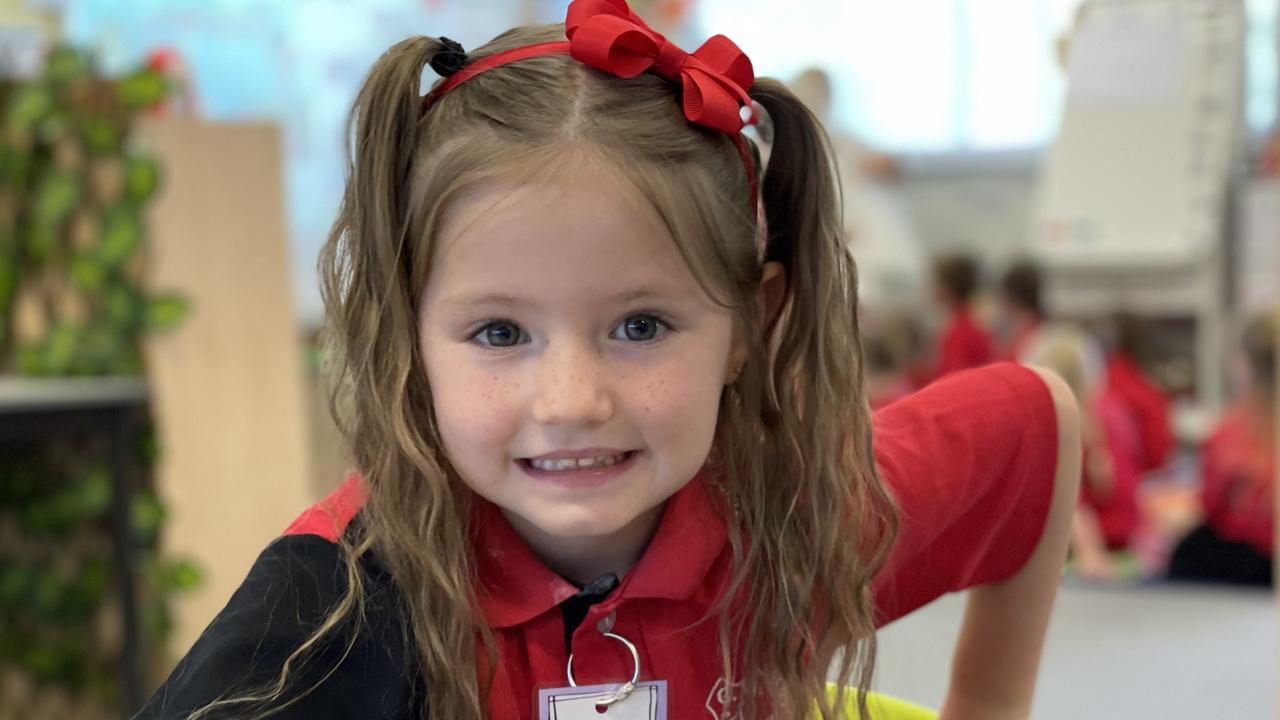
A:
449, 59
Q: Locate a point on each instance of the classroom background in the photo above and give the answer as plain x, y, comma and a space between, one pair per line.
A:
1090, 186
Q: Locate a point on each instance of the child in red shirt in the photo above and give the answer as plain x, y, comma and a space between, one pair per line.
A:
1021, 310
963, 343
1238, 473
613, 447
1108, 514
1127, 381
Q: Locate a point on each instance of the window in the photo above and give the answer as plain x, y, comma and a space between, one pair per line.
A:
946, 75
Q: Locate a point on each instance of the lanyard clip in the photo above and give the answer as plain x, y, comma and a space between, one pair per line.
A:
627, 688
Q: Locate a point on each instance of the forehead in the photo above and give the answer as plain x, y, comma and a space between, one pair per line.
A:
573, 237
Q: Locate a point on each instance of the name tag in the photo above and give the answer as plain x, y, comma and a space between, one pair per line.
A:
647, 702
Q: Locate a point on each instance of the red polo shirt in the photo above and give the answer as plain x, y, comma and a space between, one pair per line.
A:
1114, 497
964, 344
1148, 403
970, 462
1238, 470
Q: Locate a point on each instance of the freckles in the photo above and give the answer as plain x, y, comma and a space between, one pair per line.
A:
487, 393
662, 394
494, 394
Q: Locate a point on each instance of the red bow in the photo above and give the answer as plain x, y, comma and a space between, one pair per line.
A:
606, 35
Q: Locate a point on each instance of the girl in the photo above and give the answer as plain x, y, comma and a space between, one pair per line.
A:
962, 342
601, 377
1022, 311
1127, 380
1235, 542
1108, 515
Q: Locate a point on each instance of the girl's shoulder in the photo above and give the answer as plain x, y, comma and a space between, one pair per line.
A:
975, 402
330, 518
970, 463
292, 588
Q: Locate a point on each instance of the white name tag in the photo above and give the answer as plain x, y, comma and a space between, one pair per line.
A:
647, 702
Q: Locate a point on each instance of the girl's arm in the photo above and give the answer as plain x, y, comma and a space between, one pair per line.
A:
996, 660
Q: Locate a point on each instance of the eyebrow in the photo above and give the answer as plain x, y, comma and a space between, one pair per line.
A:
501, 299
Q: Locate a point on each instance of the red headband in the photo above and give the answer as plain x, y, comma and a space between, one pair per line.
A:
606, 35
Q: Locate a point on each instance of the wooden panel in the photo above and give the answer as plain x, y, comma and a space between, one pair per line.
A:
229, 385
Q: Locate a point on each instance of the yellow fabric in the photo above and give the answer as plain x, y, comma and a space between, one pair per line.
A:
883, 707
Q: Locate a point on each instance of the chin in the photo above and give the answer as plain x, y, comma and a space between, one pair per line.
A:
577, 521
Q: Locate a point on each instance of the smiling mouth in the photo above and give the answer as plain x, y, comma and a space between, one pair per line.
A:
578, 463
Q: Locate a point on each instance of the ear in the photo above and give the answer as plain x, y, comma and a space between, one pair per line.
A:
773, 287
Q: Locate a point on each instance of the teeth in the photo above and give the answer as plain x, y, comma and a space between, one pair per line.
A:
578, 464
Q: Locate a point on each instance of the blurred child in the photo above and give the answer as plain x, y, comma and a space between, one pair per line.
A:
1238, 472
1108, 514
890, 345
1021, 309
963, 343
1149, 404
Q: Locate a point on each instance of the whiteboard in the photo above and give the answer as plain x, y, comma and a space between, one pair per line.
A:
1150, 125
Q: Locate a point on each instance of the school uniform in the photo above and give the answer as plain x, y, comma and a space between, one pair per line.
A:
964, 343
1148, 403
969, 461
1114, 498
1238, 471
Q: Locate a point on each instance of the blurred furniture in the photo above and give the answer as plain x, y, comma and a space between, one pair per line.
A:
1138, 189
229, 385
1257, 255
32, 408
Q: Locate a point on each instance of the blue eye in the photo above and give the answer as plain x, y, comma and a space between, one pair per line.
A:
638, 328
643, 327
499, 334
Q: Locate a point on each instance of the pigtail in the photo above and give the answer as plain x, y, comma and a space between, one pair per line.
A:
381, 399
821, 577
359, 265
362, 266
365, 316
384, 133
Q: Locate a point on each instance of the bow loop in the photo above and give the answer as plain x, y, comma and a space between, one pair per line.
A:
582, 11
612, 44
726, 58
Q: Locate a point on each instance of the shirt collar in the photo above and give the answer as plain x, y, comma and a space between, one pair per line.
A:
514, 586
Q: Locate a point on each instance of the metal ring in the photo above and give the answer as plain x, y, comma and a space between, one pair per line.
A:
627, 688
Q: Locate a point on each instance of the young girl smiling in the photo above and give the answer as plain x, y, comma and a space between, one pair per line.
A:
601, 375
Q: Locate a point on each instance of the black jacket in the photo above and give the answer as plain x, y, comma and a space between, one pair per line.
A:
289, 591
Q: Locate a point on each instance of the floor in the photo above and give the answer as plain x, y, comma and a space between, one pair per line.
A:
1124, 653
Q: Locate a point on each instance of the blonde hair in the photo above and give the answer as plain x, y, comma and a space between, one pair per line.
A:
793, 441
1075, 356
1072, 353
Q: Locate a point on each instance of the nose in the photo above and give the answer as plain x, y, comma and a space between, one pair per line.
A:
571, 386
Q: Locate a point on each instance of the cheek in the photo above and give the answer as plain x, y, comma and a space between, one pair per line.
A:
473, 407
680, 401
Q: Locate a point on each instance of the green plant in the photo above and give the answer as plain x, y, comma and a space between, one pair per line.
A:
73, 302
72, 230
